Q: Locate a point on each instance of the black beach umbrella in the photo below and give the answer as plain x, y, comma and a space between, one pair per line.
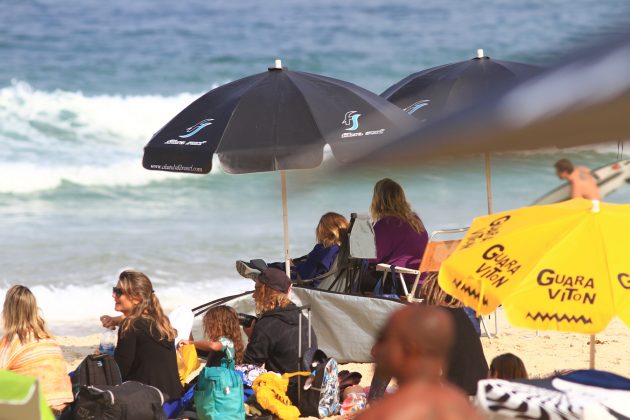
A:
430, 94
276, 120
584, 100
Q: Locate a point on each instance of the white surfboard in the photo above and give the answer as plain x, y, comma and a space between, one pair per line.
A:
609, 178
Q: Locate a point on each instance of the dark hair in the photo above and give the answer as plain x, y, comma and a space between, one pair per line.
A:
564, 165
507, 366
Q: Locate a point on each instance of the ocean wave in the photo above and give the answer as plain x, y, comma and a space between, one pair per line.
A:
126, 120
52, 137
25, 178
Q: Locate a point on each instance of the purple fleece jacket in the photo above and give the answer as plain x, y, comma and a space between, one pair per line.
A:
397, 243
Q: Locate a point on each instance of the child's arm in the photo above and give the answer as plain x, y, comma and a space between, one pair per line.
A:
204, 345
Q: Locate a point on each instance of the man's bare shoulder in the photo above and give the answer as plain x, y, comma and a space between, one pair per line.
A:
584, 173
422, 401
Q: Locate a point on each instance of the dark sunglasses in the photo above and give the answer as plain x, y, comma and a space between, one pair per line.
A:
117, 291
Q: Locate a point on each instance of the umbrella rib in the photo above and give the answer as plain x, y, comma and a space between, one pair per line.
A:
608, 268
553, 247
517, 231
238, 104
310, 110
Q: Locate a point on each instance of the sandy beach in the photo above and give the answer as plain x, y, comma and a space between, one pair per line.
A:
543, 353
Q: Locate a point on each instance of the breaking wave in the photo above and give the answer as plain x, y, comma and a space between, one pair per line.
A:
52, 137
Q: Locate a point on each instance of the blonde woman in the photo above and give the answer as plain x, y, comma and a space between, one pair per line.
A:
146, 340
274, 337
29, 348
328, 236
401, 237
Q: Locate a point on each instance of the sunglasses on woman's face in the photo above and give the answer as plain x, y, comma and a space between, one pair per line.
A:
117, 291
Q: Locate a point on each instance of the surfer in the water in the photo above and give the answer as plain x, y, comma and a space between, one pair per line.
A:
583, 183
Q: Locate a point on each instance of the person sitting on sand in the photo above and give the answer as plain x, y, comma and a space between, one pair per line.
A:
583, 183
400, 235
221, 326
507, 366
328, 236
413, 347
146, 340
28, 348
273, 338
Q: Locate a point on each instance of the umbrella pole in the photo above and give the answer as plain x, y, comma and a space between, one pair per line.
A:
489, 182
285, 222
592, 361
489, 195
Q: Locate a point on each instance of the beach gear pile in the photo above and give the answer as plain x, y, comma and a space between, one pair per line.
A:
584, 394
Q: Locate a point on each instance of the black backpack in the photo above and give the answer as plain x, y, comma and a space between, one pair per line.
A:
96, 369
130, 400
319, 393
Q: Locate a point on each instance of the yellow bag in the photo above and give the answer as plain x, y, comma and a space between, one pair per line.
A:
187, 361
271, 394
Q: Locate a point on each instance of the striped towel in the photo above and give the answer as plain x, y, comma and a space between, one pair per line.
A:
42, 360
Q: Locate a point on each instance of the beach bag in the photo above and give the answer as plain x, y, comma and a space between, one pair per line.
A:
219, 390
319, 393
128, 401
96, 369
270, 390
187, 361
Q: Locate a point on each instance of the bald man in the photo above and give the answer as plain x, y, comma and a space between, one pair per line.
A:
413, 348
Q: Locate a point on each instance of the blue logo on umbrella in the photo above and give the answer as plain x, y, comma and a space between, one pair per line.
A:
191, 131
416, 106
351, 119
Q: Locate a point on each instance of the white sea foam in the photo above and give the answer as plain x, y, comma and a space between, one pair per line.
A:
120, 118
26, 178
75, 310
57, 136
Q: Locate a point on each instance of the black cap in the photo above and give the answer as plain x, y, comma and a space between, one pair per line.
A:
275, 279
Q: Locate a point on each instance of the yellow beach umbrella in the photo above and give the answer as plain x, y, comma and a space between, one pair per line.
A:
562, 267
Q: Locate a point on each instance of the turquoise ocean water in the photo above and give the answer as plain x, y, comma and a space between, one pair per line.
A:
84, 85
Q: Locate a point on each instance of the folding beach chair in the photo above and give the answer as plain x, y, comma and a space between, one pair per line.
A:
436, 252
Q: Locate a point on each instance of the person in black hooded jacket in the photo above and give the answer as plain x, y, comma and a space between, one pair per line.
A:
274, 337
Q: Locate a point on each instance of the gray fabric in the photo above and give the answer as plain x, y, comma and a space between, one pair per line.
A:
336, 281
362, 243
345, 325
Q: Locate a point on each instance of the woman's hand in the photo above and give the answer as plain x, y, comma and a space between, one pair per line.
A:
249, 330
111, 322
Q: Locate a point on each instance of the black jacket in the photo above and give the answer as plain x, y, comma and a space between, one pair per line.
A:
143, 357
467, 361
274, 341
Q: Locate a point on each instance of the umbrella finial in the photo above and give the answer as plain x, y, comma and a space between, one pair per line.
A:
278, 64
595, 208
480, 53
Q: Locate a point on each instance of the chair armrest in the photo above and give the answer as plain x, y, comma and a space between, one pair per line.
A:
400, 270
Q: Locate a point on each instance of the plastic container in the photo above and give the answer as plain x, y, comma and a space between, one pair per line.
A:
108, 342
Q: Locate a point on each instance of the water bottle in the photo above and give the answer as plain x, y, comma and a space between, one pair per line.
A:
108, 342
